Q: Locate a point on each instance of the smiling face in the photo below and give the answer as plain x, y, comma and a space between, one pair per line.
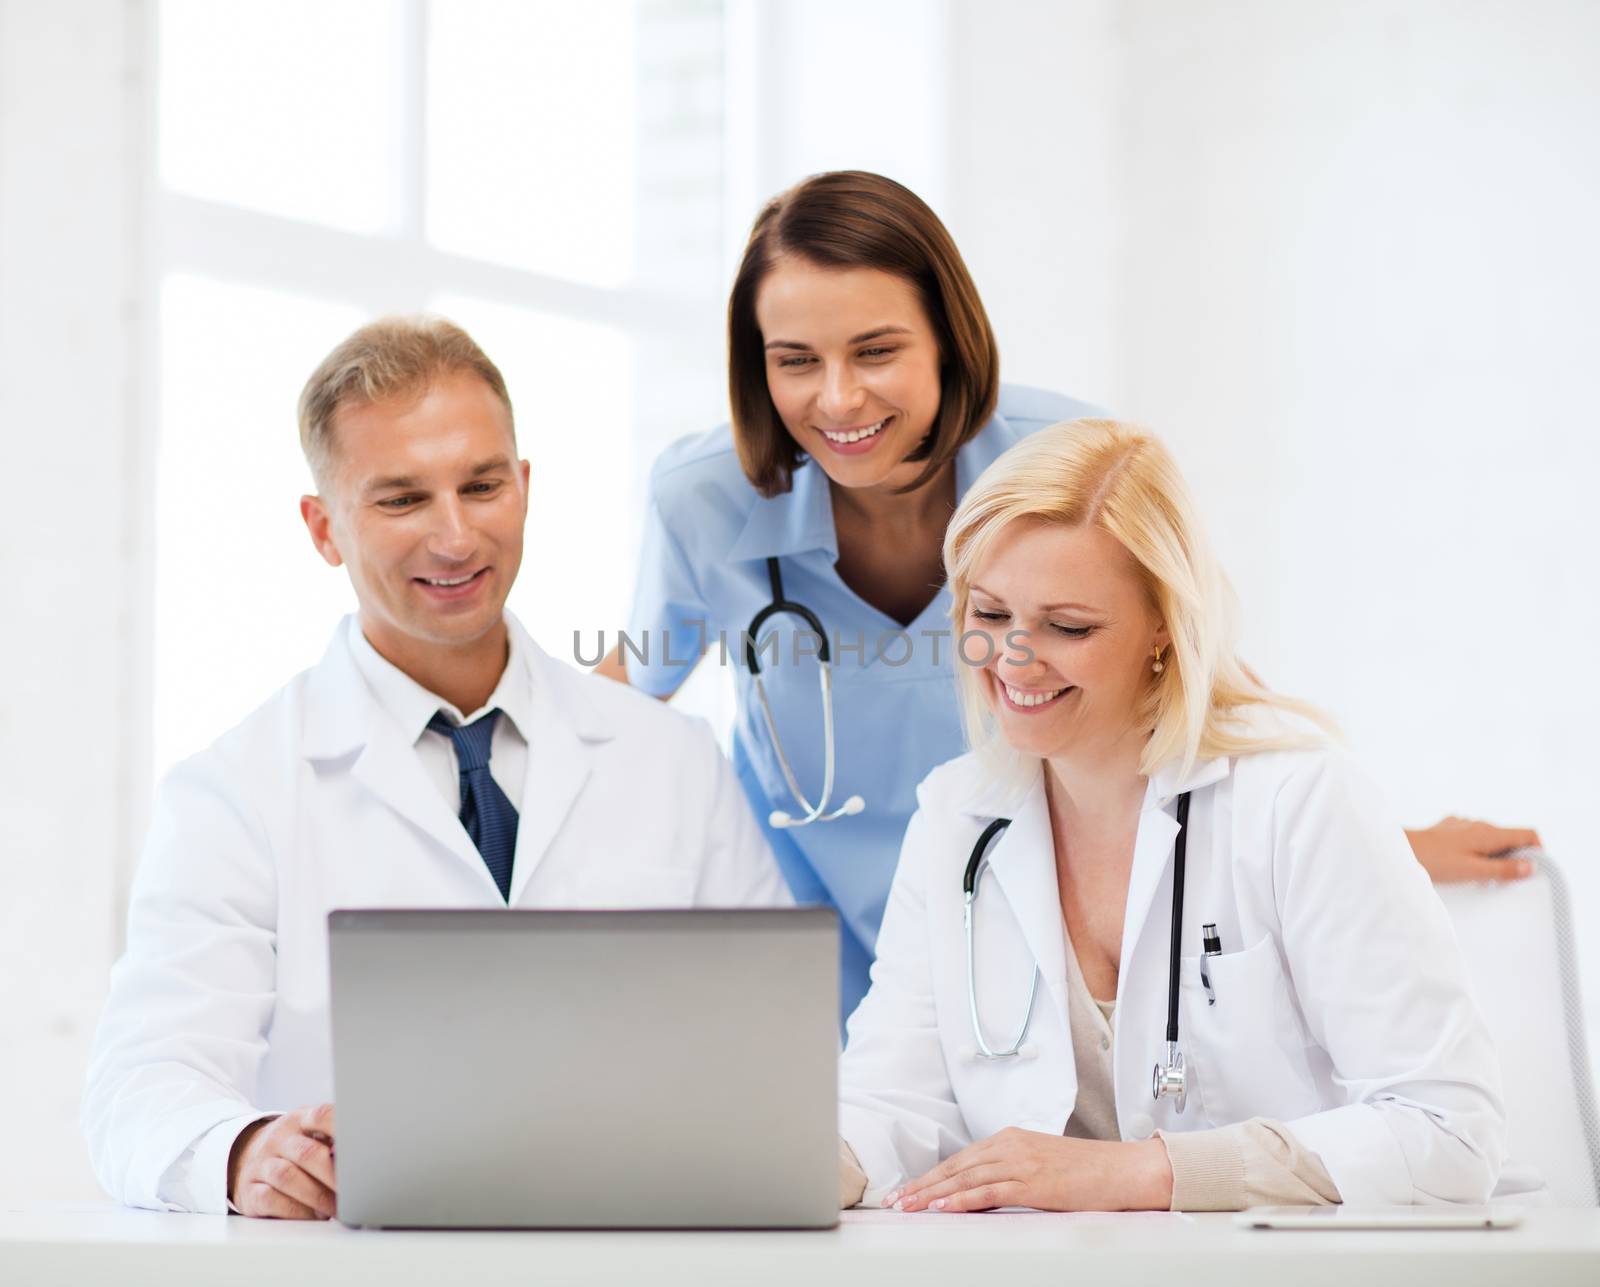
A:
1090, 629
425, 509
852, 367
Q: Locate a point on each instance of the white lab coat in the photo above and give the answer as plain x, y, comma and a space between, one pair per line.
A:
1342, 1003
219, 1010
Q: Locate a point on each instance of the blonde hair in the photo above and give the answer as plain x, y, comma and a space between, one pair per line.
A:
1123, 481
387, 358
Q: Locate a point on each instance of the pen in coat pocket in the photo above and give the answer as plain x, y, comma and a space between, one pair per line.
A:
1212, 946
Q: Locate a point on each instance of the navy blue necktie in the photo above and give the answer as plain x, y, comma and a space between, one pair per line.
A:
489, 817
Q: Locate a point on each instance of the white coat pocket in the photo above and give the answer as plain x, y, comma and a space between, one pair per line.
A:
1248, 1052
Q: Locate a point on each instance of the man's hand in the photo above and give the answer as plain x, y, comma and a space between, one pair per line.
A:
1460, 849
282, 1167
1017, 1168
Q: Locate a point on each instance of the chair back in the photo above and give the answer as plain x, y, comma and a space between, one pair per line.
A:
1518, 942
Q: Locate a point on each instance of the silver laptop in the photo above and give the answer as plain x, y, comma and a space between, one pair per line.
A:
646, 1069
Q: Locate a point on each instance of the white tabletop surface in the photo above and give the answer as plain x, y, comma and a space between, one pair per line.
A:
89, 1244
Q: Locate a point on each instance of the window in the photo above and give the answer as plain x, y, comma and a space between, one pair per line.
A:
548, 175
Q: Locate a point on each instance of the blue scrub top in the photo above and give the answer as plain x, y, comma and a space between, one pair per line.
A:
703, 575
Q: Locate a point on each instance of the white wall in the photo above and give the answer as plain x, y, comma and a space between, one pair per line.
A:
1343, 258
1033, 105
75, 647
833, 85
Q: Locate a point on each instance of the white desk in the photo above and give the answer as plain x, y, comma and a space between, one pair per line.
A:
95, 1245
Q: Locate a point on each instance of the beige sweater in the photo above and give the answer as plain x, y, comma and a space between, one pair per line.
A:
1226, 1168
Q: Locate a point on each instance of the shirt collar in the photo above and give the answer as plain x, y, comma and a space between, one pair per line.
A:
996, 786
411, 705
794, 522
987, 446
801, 519
1174, 777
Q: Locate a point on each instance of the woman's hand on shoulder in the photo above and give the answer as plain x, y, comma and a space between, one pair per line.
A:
1018, 1168
1463, 849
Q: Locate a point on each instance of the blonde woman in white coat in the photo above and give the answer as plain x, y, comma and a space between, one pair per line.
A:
1332, 1049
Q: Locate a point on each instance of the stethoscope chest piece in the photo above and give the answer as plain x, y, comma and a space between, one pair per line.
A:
1172, 1078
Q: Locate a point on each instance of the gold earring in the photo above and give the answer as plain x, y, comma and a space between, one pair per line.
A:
1156, 667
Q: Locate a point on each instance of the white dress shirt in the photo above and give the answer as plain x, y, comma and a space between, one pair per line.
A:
412, 706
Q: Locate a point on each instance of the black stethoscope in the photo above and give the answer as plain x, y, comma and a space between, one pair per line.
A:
1168, 1080
813, 812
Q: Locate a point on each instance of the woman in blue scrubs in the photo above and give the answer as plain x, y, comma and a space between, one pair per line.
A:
866, 395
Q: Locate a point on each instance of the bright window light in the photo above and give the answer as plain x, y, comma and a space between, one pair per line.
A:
571, 386
290, 108
579, 142
242, 599
531, 135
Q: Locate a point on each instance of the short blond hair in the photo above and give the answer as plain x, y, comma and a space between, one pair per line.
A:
1123, 481
387, 358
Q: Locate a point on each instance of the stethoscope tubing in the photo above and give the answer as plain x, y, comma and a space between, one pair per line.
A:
780, 605
1174, 953
1175, 1081
813, 812
969, 896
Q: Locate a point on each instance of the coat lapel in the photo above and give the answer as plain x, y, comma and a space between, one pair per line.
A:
1152, 856
558, 767
566, 728
343, 720
1023, 864
390, 769
1153, 849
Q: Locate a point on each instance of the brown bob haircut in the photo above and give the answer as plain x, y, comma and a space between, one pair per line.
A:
853, 219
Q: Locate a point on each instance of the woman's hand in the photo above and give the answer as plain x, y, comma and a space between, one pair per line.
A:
1461, 849
852, 1180
1018, 1168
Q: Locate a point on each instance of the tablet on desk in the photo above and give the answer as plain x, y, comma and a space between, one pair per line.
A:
1400, 1217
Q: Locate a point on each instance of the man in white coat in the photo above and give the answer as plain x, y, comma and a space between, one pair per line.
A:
435, 757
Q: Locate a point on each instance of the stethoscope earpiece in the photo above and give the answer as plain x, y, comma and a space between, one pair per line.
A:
778, 819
